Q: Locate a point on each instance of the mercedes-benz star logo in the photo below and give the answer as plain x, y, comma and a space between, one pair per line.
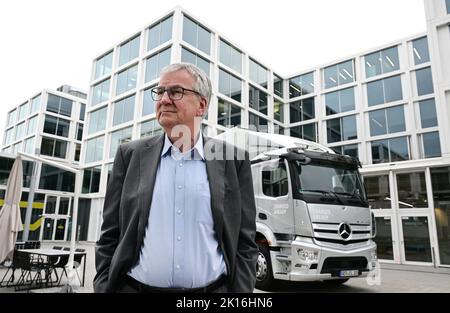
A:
344, 231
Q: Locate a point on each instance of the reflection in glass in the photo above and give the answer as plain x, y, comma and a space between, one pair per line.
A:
420, 51
440, 179
228, 115
60, 229
416, 238
424, 81
48, 229
428, 116
412, 191
383, 238
431, 145
378, 194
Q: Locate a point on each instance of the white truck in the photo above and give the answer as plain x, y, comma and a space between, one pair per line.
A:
313, 219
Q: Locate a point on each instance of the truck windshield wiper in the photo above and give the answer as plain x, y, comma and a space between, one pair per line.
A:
326, 192
352, 195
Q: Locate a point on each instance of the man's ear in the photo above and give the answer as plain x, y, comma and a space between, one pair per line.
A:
203, 107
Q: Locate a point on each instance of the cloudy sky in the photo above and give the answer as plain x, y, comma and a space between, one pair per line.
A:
48, 43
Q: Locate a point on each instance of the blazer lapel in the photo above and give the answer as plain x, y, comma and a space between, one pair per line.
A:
149, 158
216, 173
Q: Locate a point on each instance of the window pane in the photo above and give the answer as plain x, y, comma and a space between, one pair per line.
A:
126, 80
97, 120
63, 127
278, 86
383, 239
330, 77
390, 60
416, 239
393, 89
347, 99
123, 111
396, 119
204, 40
378, 124
345, 74
275, 181
349, 128
166, 30
380, 151
189, 31
258, 100
332, 103
47, 146
428, 116
50, 124
117, 138
412, 191
94, 149
431, 145
351, 150
420, 51
228, 115
375, 94
334, 130
373, 64
235, 88
399, 149
440, 178
53, 103
424, 81
309, 132
148, 106
150, 128
60, 149
278, 111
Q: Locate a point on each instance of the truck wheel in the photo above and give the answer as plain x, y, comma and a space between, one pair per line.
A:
264, 273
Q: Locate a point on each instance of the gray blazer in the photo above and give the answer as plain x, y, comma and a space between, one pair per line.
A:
127, 206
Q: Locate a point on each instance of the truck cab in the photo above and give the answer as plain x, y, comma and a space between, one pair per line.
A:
313, 219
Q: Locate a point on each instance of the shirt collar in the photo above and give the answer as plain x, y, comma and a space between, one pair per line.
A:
196, 153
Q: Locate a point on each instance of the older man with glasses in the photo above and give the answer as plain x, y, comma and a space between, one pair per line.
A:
175, 218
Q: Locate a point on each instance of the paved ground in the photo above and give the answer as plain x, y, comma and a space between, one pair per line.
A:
392, 279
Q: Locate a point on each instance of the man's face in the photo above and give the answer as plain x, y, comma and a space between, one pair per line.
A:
171, 113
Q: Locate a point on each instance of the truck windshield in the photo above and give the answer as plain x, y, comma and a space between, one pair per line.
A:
329, 183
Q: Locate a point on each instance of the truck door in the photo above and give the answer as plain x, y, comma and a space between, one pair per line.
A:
273, 200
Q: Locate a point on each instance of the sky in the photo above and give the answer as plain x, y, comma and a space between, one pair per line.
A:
48, 43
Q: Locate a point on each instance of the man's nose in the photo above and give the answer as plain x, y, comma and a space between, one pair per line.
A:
165, 98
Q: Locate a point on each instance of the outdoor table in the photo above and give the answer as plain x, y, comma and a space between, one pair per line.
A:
56, 253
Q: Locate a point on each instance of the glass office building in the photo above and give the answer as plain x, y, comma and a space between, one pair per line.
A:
49, 124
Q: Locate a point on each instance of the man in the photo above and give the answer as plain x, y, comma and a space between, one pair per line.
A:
175, 219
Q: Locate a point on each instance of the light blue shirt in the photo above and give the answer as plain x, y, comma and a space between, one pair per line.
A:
180, 248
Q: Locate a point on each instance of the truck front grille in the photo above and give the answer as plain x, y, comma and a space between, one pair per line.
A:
329, 232
336, 264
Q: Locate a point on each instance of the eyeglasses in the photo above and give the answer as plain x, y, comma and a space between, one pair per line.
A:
174, 93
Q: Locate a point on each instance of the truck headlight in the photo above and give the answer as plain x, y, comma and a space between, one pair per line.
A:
374, 256
374, 225
307, 255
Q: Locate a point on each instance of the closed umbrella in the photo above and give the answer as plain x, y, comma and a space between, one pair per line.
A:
10, 220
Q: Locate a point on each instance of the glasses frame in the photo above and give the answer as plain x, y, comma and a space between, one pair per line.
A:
169, 90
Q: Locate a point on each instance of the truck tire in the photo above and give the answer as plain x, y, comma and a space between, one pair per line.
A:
264, 273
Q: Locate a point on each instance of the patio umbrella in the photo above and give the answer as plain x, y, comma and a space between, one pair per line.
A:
10, 220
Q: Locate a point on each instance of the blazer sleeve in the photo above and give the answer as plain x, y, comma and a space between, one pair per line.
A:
110, 231
247, 252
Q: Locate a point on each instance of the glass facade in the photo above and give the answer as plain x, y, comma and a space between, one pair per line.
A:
257, 100
126, 80
431, 145
230, 85
302, 110
123, 110
100, 92
103, 65
278, 110
129, 50
420, 51
228, 114
155, 64
350, 150
377, 189
258, 73
53, 178
342, 129
117, 138
382, 62
230, 56
54, 147
23, 111
301, 85
390, 150
94, 149
59, 105
35, 104
307, 132
11, 118
196, 35
412, 190
340, 101
56, 126
148, 104
428, 116
440, 179
194, 58
91, 180
257, 123
150, 128
97, 120
159, 33
278, 86
424, 81
384, 90
387, 121
339, 74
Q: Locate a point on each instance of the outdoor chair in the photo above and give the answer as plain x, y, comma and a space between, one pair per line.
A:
8, 281
29, 266
57, 262
77, 262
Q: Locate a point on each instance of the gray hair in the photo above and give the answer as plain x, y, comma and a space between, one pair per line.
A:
202, 82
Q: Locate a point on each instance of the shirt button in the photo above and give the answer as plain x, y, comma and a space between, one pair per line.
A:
180, 187
179, 212
178, 267
179, 238
181, 164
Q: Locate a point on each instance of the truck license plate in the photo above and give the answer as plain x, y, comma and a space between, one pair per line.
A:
351, 273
